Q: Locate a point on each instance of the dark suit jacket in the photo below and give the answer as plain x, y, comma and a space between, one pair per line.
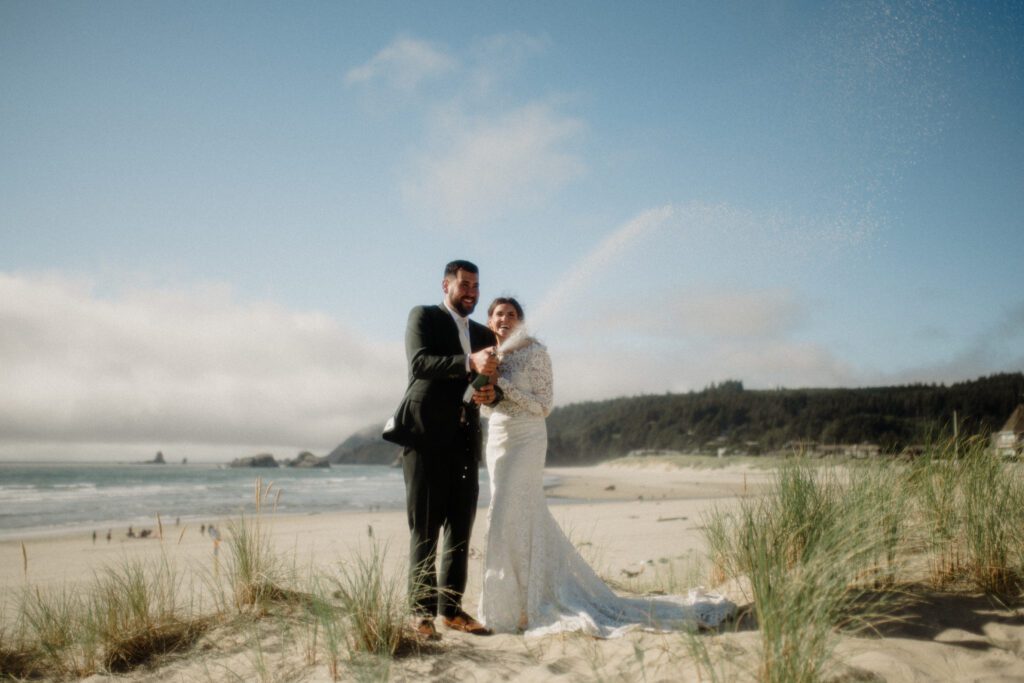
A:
428, 418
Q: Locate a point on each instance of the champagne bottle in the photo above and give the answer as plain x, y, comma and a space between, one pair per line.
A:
479, 382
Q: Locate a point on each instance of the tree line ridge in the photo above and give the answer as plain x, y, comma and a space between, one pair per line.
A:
728, 416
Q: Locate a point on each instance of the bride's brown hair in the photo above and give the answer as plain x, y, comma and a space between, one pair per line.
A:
505, 300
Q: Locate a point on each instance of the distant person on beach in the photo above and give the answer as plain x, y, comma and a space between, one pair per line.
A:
535, 582
215, 535
438, 424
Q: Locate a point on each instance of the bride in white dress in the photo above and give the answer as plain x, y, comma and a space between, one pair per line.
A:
535, 582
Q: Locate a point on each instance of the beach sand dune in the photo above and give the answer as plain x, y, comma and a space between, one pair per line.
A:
639, 526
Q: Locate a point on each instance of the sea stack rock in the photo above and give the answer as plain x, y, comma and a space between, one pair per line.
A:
159, 459
261, 460
307, 459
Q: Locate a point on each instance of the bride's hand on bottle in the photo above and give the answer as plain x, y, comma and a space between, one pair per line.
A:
485, 394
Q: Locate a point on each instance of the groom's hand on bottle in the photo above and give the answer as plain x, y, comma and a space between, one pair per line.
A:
484, 362
484, 395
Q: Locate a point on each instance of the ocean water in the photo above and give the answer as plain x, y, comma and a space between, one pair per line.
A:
39, 499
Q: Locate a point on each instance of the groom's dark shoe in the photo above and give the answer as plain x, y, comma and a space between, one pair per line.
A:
467, 624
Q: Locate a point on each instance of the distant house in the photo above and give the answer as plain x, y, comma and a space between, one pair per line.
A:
650, 452
809, 448
1009, 441
914, 450
850, 450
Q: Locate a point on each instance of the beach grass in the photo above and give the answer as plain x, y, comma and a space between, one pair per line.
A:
935, 489
971, 506
373, 602
356, 616
326, 631
131, 613
127, 616
993, 521
135, 614
256, 573
805, 549
832, 548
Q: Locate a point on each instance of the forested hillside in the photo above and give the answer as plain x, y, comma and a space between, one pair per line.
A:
728, 416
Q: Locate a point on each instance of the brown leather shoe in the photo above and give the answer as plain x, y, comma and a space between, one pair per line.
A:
424, 628
467, 624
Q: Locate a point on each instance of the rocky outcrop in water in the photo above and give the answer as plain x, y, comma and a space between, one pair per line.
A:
158, 460
308, 460
261, 460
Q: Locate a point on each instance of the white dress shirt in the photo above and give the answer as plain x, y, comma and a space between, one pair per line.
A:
462, 323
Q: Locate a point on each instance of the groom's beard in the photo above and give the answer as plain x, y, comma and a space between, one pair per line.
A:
462, 308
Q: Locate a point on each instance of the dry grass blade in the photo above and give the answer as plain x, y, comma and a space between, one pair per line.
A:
56, 625
136, 615
19, 662
375, 605
256, 573
993, 523
136, 649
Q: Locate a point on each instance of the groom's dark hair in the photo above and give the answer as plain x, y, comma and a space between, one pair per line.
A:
453, 268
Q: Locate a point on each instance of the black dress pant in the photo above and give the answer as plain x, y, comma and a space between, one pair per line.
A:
441, 491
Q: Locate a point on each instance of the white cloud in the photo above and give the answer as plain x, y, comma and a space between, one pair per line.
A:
187, 366
591, 373
404, 64
493, 60
489, 167
692, 339
719, 314
506, 51
487, 151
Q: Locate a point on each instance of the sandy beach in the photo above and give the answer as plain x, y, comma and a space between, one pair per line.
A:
639, 526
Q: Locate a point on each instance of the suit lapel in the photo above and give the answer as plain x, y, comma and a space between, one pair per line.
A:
449, 329
480, 336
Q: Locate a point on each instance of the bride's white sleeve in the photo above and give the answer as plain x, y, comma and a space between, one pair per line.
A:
538, 399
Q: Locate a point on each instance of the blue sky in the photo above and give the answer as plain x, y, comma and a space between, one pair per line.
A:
214, 217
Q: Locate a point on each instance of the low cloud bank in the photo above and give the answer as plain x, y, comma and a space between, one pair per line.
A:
193, 366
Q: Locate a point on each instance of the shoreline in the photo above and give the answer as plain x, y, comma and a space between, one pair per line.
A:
619, 482
579, 498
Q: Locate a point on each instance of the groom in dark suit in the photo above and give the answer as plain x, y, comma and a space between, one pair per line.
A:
438, 423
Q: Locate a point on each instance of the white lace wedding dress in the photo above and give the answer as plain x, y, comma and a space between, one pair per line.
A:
534, 579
